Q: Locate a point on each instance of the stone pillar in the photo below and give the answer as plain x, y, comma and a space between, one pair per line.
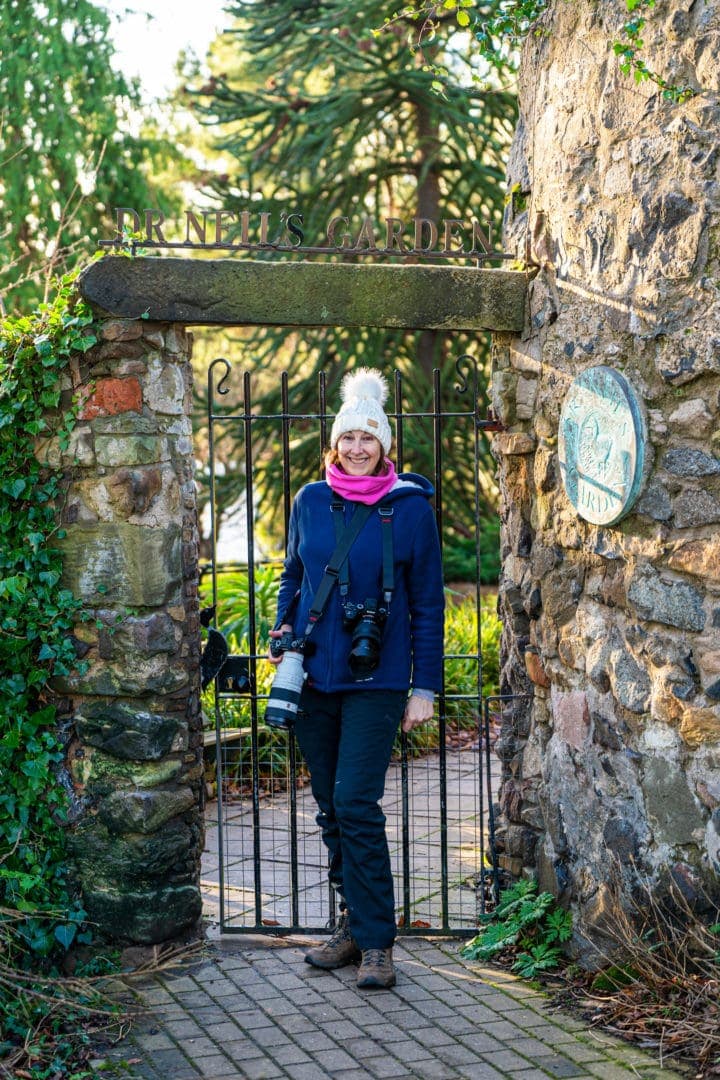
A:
614, 630
134, 753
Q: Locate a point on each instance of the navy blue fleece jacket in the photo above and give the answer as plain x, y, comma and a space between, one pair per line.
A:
412, 647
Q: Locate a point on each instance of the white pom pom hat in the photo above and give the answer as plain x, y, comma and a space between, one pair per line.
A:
363, 393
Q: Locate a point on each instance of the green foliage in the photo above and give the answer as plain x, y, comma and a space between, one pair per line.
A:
463, 562
39, 919
527, 925
462, 644
613, 978
500, 27
66, 152
47, 1020
628, 50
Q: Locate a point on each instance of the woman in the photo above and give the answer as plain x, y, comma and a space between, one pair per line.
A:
351, 707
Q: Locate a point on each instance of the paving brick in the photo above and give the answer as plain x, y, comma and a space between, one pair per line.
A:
434, 1070
313, 1071
410, 1051
482, 1043
196, 1048
224, 1031
314, 1041
295, 1021
483, 1071
184, 1028
433, 1037
289, 1055
213, 1066
363, 1048
323, 1014
334, 1061
260, 1069
529, 1074
508, 1061
502, 1030
581, 1052
457, 1054
240, 1049
270, 1037
561, 1067
151, 1043
532, 1048
173, 983
458, 1025
386, 1066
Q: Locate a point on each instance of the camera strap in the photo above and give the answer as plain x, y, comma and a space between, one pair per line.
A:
338, 557
388, 565
388, 580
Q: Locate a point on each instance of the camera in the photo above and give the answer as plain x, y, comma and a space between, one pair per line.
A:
284, 697
366, 621
287, 643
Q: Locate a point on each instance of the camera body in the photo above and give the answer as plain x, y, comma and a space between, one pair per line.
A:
287, 643
366, 622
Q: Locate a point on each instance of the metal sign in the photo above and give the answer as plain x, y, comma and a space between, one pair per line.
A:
601, 445
260, 230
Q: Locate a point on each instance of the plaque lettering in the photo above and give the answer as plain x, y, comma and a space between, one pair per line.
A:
248, 230
601, 445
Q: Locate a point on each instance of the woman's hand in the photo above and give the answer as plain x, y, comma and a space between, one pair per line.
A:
417, 711
276, 634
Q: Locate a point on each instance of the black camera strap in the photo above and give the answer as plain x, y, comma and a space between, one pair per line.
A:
332, 570
388, 580
388, 567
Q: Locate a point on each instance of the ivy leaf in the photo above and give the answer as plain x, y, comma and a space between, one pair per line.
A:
65, 934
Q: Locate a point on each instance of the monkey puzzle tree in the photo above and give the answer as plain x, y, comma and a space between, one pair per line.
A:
321, 116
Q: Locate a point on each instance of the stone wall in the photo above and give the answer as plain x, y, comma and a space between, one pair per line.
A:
132, 720
611, 764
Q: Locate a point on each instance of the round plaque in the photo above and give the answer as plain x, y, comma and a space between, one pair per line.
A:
601, 445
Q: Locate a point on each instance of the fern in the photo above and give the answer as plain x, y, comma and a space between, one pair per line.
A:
526, 920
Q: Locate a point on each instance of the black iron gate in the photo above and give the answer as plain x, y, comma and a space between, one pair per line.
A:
270, 871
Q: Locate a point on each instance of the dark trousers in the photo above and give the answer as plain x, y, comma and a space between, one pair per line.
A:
346, 740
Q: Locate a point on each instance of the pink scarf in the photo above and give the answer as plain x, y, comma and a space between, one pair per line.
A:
362, 489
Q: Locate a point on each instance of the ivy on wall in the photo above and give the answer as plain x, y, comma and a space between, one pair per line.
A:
36, 613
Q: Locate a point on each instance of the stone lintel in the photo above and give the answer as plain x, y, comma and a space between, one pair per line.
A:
241, 292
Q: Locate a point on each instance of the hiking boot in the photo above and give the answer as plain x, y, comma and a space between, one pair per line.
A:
338, 951
376, 969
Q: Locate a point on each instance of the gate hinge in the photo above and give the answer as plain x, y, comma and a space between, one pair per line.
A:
491, 423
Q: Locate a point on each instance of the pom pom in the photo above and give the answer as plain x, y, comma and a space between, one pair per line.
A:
364, 383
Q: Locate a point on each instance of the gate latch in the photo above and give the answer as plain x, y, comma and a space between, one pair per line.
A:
231, 672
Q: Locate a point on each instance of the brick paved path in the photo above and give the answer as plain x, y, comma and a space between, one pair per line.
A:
248, 1010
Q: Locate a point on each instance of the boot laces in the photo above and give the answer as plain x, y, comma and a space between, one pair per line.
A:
341, 931
375, 957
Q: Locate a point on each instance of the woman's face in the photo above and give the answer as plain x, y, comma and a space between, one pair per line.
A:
359, 452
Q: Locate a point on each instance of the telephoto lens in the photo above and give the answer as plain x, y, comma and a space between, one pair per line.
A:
284, 698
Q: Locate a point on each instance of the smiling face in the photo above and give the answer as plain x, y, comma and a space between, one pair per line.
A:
359, 453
